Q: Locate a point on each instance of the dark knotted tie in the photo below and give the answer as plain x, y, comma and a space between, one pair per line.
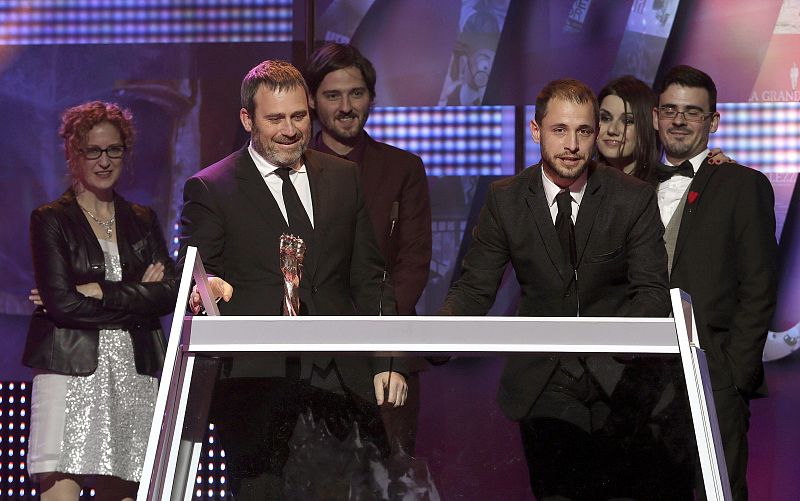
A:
565, 228
573, 366
299, 222
665, 172
299, 226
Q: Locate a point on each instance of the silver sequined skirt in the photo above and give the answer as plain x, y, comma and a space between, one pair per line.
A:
97, 424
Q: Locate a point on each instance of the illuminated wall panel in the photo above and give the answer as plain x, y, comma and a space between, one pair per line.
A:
210, 484
23, 22
14, 415
211, 481
765, 136
532, 153
452, 141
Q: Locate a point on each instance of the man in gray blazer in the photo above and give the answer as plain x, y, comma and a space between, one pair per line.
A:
584, 240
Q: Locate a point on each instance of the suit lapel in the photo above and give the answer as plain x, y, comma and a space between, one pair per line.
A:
256, 190
318, 183
693, 202
537, 204
373, 170
590, 206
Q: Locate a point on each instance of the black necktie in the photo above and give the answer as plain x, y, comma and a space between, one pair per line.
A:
299, 223
573, 366
565, 228
667, 171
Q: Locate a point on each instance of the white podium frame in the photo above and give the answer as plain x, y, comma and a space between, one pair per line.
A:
172, 459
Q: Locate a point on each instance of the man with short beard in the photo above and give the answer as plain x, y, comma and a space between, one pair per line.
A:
584, 240
720, 237
341, 82
235, 212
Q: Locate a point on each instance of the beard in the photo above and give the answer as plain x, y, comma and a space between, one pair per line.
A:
677, 148
345, 134
564, 171
280, 157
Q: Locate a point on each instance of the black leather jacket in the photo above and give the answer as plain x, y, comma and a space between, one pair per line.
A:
64, 339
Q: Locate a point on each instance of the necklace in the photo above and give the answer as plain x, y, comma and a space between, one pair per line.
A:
107, 225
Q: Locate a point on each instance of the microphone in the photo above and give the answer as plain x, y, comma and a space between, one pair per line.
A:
393, 216
573, 257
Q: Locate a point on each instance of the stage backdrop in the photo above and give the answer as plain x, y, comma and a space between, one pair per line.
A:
456, 80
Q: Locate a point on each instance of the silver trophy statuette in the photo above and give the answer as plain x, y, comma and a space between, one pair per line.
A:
292, 252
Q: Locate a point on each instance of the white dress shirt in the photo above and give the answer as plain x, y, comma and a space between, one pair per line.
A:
298, 177
671, 191
576, 190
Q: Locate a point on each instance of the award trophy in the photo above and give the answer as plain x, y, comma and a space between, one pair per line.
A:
292, 252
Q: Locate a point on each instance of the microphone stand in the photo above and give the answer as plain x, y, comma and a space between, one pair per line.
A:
393, 217
573, 257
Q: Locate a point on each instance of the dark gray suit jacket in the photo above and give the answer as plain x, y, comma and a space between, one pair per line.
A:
622, 263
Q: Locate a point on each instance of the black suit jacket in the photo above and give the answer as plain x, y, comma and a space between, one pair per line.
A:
725, 257
65, 338
622, 263
230, 215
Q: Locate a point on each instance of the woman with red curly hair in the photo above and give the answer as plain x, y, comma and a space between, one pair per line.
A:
103, 277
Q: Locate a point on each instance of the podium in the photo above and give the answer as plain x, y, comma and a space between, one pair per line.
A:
185, 389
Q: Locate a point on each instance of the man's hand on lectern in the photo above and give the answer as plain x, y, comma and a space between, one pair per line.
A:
217, 287
396, 385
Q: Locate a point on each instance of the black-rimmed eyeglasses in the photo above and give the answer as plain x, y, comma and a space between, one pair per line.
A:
93, 153
668, 113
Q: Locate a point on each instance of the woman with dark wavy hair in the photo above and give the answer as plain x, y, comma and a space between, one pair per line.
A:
627, 139
103, 278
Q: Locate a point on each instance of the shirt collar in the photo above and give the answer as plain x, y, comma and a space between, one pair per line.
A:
355, 155
576, 189
696, 160
264, 167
